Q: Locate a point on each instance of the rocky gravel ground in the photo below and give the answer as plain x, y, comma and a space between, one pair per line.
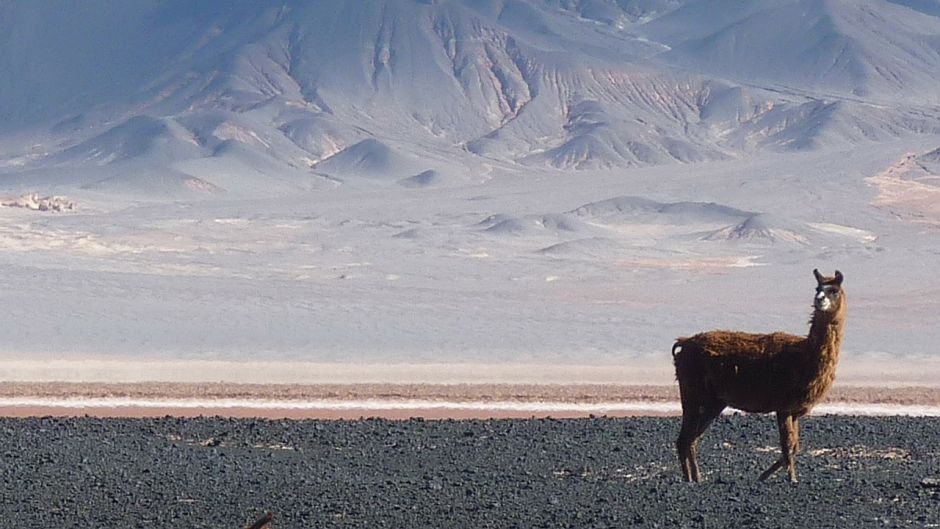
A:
225, 473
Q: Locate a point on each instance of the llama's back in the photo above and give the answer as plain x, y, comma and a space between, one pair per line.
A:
742, 346
749, 371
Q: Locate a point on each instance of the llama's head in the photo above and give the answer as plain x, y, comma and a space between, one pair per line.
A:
829, 297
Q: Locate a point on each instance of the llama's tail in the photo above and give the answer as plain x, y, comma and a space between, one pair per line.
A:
677, 347
684, 351
680, 357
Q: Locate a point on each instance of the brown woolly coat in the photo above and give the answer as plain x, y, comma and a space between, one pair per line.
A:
763, 372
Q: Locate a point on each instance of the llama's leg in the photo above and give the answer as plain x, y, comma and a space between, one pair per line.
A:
689, 395
789, 442
684, 444
794, 441
695, 420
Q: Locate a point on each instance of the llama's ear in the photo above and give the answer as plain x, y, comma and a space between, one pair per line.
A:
839, 278
819, 277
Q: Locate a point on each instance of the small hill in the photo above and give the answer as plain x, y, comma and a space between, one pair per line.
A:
140, 138
371, 159
155, 183
422, 179
632, 209
601, 247
761, 228
320, 136
549, 224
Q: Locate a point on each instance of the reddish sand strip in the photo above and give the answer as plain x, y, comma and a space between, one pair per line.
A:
564, 393
299, 414
579, 393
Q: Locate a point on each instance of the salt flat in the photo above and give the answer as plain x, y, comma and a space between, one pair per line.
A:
397, 275
503, 271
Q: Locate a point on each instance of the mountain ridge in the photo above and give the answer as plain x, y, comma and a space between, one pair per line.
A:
549, 85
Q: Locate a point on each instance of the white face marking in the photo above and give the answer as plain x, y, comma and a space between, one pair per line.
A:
823, 299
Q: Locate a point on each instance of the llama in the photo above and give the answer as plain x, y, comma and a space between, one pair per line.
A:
759, 373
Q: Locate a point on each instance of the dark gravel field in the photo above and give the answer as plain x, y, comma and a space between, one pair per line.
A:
225, 473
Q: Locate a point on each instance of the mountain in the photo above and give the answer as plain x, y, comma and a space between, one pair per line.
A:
269, 97
877, 50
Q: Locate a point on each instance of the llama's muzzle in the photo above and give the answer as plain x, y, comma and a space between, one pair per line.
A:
822, 302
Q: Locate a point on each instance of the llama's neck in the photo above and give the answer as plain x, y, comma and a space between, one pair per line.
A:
824, 343
825, 334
